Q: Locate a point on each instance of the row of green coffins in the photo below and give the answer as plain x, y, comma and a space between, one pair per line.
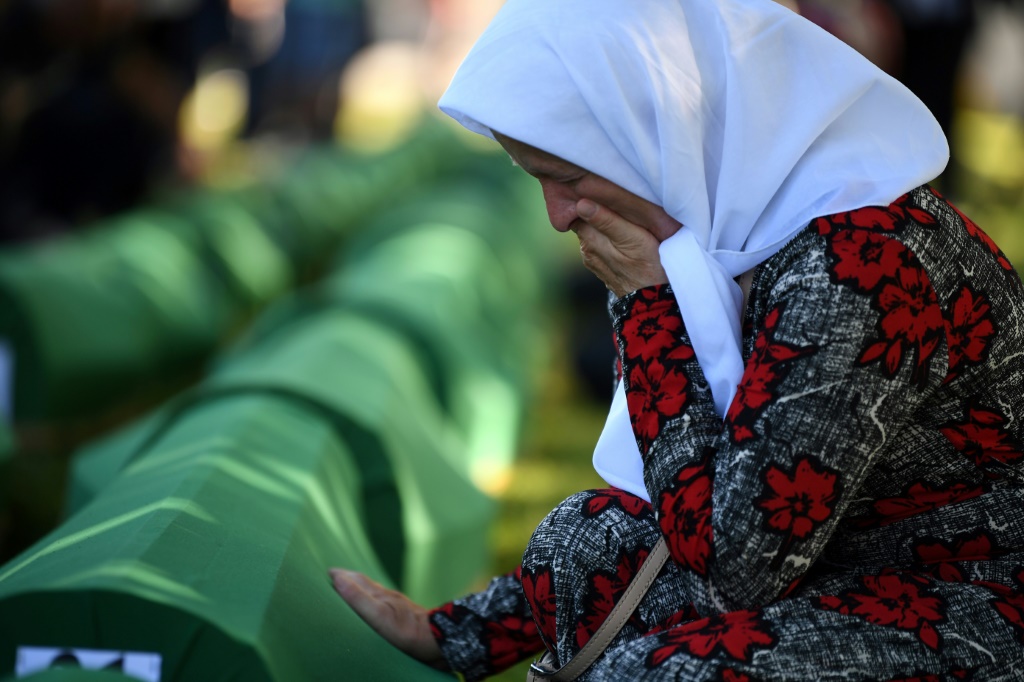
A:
352, 426
90, 318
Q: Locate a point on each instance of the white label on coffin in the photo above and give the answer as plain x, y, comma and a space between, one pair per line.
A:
140, 665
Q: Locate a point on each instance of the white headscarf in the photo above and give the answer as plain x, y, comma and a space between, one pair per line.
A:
742, 119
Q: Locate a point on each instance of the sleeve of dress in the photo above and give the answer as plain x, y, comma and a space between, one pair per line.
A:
485, 632
840, 358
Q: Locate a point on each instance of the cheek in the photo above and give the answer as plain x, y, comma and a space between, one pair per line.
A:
663, 225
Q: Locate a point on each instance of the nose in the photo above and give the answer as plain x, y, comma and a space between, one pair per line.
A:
561, 204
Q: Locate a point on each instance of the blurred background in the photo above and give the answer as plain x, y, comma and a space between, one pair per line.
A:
119, 117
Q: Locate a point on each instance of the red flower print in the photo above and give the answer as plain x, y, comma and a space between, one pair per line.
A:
797, 502
1009, 602
613, 497
969, 328
451, 612
895, 600
791, 588
978, 546
678, 618
510, 639
955, 674
539, 590
653, 395
685, 516
906, 205
764, 372
917, 499
886, 219
653, 324
735, 634
823, 225
983, 438
998, 588
1011, 608
863, 260
832, 603
681, 353
911, 320
605, 589
895, 216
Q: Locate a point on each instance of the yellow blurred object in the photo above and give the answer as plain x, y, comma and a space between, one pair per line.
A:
381, 97
991, 145
491, 478
213, 114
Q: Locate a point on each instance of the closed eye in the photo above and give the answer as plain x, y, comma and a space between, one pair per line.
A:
571, 180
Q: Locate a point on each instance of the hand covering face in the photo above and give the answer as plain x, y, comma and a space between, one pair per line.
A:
740, 118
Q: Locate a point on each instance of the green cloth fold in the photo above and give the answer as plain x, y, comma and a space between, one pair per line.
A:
213, 551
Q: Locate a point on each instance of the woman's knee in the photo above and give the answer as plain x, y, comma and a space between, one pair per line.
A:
588, 526
583, 552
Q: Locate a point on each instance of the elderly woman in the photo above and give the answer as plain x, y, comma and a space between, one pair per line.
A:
822, 362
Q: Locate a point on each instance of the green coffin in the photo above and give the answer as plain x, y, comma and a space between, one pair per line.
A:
433, 283
489, 197
87, 317
423, 339
212, 551
329, 192
461, 273
458, 269
364, 371
240, 246
145, 296
98, 463
428, 521
74, 675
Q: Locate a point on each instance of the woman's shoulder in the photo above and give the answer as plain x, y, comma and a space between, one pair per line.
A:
920, 239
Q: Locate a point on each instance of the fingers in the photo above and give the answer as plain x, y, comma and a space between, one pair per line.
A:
365, 596
391, 614
619, 231
623, 255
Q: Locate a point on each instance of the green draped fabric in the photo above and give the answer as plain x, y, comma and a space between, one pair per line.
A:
96, 316
358, 423
212, 551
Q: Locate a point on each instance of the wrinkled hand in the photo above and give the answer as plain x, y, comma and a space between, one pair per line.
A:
624, 256
391, 614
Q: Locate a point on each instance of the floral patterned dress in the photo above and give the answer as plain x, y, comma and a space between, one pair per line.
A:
859, 515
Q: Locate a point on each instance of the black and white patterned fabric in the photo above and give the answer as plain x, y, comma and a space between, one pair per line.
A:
859, 515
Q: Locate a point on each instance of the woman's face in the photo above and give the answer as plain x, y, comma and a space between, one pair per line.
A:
564, 184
